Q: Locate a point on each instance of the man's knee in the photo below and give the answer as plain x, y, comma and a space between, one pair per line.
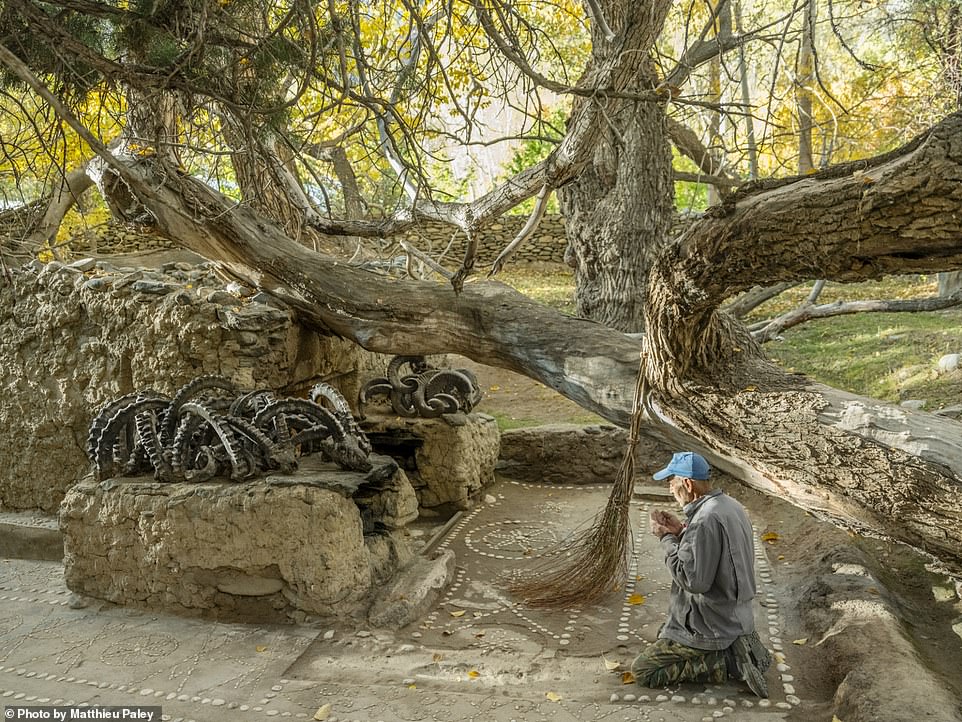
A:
643, 668
657, 666
664, 663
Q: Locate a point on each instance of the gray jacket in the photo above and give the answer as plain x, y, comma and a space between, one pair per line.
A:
712, 566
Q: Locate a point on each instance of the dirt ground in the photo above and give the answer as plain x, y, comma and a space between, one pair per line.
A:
520, 401
879, 626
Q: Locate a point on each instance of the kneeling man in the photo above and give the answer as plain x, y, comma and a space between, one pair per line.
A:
710, 633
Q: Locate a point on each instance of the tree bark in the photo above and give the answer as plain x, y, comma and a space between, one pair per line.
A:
805, 78
74, 185
618, 214
267, 179
619, 210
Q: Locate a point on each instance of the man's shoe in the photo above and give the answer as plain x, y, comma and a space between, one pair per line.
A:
751, 660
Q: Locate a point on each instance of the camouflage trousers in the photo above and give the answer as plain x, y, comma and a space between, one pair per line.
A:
665, 663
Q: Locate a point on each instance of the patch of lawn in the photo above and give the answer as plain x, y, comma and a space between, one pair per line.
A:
506, 422
887, 356
554, 288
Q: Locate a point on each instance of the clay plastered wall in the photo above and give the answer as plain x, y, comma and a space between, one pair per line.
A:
74, 337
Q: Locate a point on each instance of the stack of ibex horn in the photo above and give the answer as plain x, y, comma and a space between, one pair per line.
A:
211, 429
423, 390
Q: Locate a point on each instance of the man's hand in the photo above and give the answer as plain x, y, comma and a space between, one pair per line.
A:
661, 523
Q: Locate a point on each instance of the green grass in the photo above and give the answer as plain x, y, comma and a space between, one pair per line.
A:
888, 356
506, 422
554, 288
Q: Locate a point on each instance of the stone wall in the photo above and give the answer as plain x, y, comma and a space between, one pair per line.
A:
73, 337
547, 245
573, 454
450, 460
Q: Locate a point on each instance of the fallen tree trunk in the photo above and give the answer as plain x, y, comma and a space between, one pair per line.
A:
867, 465
767, 330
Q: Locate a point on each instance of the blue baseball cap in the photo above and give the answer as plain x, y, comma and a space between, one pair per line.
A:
687, 464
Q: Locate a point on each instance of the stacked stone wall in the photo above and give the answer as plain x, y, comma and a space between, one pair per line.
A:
546, 246
73, 337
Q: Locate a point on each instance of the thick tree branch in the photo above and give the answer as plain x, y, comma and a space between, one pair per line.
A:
895, 214
75, 183
723, 182
756, 434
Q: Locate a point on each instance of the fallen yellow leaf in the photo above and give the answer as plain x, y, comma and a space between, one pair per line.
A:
803, 640
609, 665
459, 613
495, 388
636, 599
780, 557
323, 712
437, 657
627, 678
474, 674
770, 537
412, 686
552, 697
750, 388
835, 719
260, 648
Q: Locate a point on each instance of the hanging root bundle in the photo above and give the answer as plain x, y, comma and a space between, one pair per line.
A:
594, 563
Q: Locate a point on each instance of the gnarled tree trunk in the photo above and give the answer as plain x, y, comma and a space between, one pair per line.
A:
863, 463
618, 215
619, 210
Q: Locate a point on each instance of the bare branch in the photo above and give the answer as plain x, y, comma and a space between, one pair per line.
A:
598, 15
767, 330
541, 204
64, 198
715, 180
754, 298
688, 144
426, 260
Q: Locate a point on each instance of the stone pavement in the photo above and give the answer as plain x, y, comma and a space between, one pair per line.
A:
477, 655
